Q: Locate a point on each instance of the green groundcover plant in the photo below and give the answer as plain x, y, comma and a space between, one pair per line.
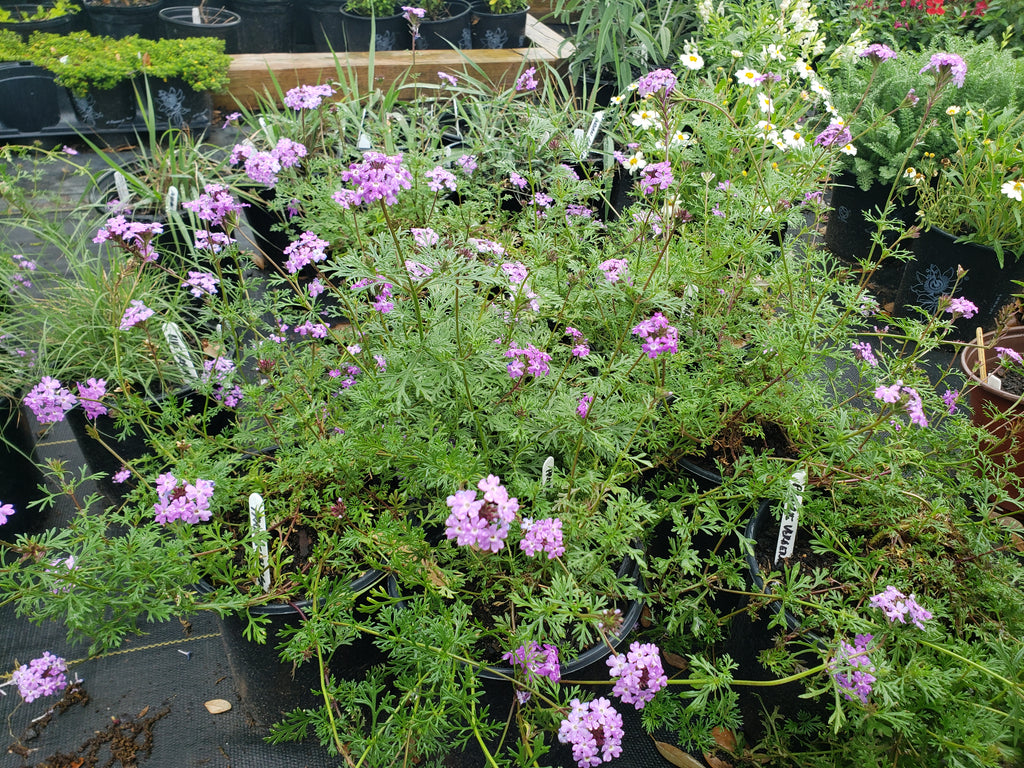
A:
500, 325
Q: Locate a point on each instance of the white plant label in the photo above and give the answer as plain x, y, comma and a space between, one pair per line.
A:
994, 381
180, 351
121, 185
258, 523
172, 199
790, 516
546, 469
197, 16
595, 126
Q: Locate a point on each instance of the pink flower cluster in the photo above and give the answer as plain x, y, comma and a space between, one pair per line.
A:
181, 500
615, 270
214, 205
263, 167
89, 396
221, 371
947, 67
41, 677
530, 360
307, 96
544, 535
438, 179
135, 237
481, 523
658, 81
135, 314
582, 347
201, 283
49, 400
376, 177
527, 81
658, 336
536, 661
914, 406
595, 731
896, 606
639, 674
6, 512
857, 678
306, 250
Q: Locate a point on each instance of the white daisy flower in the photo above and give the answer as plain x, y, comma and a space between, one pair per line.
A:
1014, 189
765, 103
849, 149
748, 77
794, 138
691, 60
635, 162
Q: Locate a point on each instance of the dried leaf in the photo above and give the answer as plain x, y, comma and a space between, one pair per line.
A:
675, 660
216, 706
725, 738
676, 756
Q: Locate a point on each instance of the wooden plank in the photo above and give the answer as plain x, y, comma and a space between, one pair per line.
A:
252, 75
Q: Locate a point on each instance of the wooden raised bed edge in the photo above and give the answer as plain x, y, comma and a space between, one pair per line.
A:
252, 75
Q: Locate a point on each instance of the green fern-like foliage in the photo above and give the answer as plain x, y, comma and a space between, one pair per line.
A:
898, 118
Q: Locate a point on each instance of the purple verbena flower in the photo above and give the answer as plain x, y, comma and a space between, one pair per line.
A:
121, 475
1005, 353
212, 241
308, 249
855, 677
658, 336
288, 153
135, 237
425, 237
515, 271
890, 394
614, 269
307, 96
659, 81
527, 81
656, 176
214, 205
314, 330
261, 167
482, 245
535, 360
438, 178
376, 177
89, 396
949, 397
181, 500
594, 730
962, 307
200, 283
448, 79
836, 135
536, 661
639, 674
481, 523
220, 371
878, 52
6, 512
135, 314
946, 67
49, 401
897, 606
583, 407
41, 677
862, 349
544, 535
417, 269
582, 346
467, 163
516, 180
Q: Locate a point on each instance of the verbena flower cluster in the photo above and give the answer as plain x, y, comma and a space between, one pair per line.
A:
182, 500
44, 676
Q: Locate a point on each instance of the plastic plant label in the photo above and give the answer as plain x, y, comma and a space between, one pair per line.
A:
258, 524
546, 469
994, 381
790, 516
197, 15
595, 126
180, 351
121, 185
171, 204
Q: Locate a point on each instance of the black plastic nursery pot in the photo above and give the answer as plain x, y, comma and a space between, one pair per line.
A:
356, 33
184, 21
451, 32
499, 30
60, 25
123, 20
268, 687
20, 477
177, 103
750, 635
934, 273
267, 25
849, 235
111, 108
29, 98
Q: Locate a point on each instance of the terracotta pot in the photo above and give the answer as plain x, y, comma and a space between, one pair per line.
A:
986, 400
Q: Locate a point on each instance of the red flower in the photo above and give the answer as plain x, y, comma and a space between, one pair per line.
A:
935, 8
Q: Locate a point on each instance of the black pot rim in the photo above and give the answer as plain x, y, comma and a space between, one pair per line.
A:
182, 15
